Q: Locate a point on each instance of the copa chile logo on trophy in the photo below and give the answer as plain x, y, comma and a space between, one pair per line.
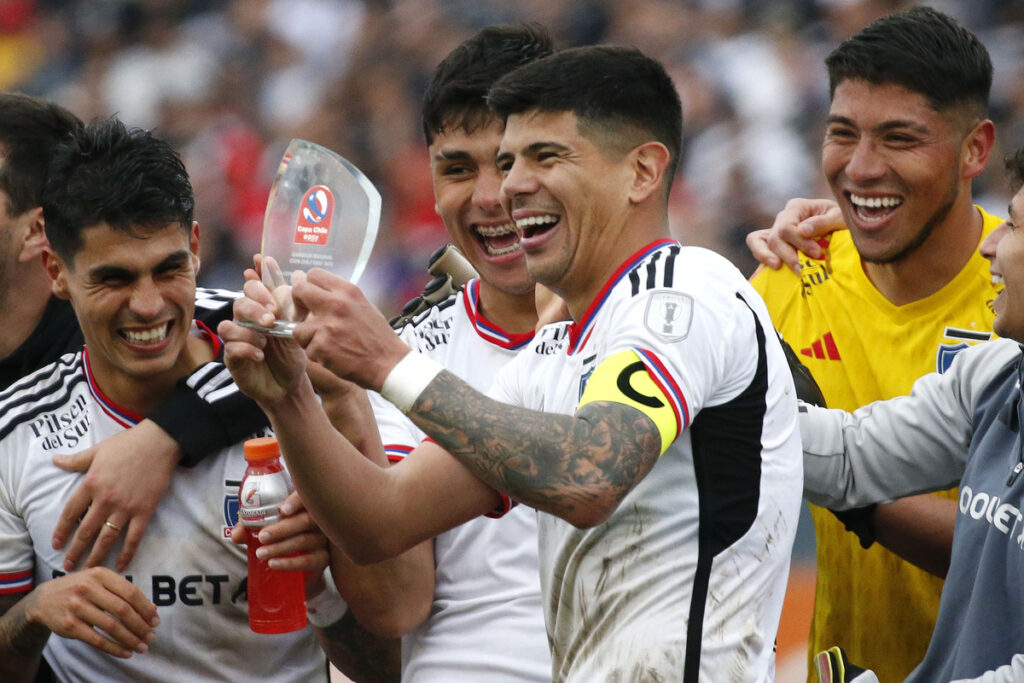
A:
313, 225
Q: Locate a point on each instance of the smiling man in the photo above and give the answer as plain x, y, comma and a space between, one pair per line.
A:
655, 431
963, 426
898, 295
124, 250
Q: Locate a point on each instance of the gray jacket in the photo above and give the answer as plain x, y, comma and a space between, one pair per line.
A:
959, 427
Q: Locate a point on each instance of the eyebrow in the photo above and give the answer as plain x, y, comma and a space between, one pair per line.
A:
534, 148
104, 271
452, 155
882, 127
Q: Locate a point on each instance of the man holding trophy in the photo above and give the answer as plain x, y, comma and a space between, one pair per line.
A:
619, 433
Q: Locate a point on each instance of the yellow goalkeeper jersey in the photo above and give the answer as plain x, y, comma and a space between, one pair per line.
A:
862, 348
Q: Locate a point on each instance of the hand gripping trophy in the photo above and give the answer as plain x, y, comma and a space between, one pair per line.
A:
322, 212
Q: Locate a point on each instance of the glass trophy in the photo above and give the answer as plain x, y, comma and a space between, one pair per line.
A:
322, 212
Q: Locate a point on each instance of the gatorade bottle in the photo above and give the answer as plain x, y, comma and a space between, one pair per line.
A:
277, 599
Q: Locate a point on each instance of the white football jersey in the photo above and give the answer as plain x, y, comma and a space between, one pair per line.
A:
186, 562
685, 580
486, 622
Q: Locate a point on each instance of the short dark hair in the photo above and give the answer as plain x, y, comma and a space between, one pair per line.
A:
456, 94
109, 173
921, 50
1014, 162
604, 86
30, 128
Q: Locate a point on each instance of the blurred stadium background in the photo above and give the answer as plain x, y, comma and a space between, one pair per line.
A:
230, 82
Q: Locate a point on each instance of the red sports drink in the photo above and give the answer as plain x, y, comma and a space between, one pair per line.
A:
277, 599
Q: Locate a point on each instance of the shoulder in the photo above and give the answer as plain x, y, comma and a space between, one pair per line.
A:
214, 305
983, 370
45, 390
433, 327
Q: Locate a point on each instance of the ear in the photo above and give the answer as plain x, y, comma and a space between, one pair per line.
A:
193, 246
650, 161
976, 148
58, 272
33, 234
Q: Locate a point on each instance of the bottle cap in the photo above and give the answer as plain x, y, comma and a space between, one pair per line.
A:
263, 448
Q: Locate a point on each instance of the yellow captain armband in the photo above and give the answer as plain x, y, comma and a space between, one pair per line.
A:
623, 378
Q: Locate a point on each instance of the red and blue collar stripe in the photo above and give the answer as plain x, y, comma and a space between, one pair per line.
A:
484, 327
579, 331
121, 415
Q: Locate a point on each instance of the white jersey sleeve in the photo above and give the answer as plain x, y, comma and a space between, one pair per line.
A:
694, 336
16, 554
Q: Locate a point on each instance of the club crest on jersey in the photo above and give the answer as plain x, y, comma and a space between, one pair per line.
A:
230, 506
961, 340
668, 315
313, 225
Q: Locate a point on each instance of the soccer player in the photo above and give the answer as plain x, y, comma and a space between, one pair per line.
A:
193, 420
962, 426
124, 250
484, 619
655, 431
895, 297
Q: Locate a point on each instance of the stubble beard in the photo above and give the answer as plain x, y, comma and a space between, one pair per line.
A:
918, 240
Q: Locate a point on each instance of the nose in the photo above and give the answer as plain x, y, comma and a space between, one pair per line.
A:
990, 244
518, 180
487, 191
147, 300
865, 163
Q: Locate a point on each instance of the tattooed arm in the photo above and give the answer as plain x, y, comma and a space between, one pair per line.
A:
21, 643
359, 654
577, 467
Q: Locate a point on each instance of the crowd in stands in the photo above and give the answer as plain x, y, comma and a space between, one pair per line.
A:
230, 82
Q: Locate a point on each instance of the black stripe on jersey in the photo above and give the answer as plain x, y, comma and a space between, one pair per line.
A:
652, 266
39, 383
727, 464
214, 305
53, 399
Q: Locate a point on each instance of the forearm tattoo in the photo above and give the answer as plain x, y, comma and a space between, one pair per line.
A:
19, 636
551, 462
361, 655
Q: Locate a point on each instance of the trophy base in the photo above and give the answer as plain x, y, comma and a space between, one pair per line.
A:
281, 328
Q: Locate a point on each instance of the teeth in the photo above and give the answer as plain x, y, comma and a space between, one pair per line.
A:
494, 230
150, 336
875, 202
502, 251
536, 220
997, 279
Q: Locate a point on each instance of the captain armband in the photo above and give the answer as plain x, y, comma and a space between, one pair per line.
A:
623, 378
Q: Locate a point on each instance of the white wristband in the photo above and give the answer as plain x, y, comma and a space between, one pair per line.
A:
408, 379
327, 607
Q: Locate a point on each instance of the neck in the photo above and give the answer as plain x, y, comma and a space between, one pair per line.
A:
935, 263
607, 251
514, 313
22, 303
142, 394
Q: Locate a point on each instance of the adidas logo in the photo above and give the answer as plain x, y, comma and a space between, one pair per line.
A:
824, 348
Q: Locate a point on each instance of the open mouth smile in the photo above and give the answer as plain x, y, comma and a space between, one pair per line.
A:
146, 336
874, 209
